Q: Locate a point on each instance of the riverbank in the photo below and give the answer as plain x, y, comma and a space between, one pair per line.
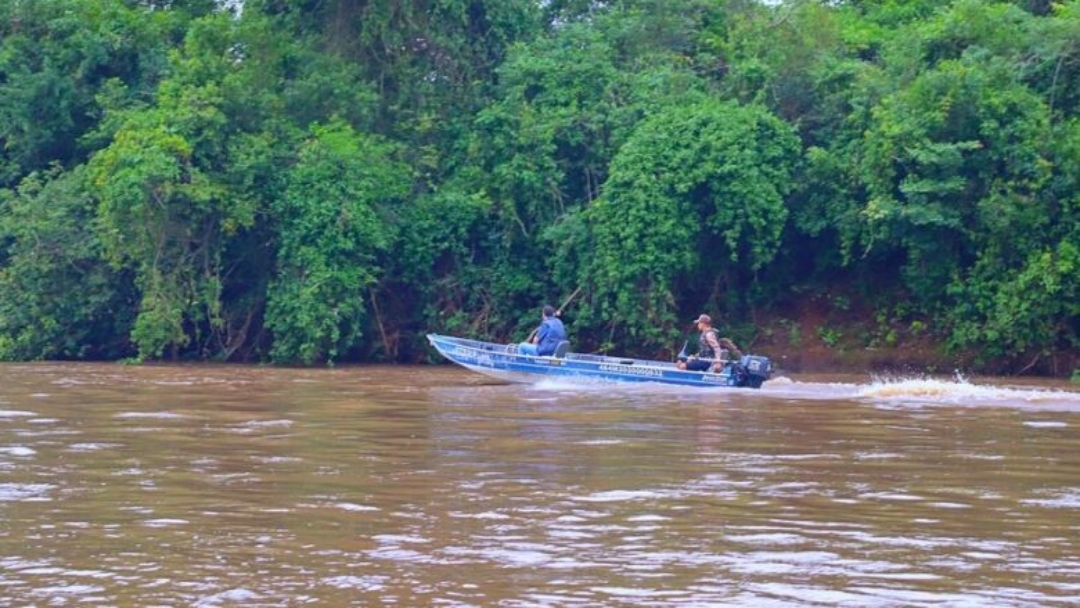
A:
813, 341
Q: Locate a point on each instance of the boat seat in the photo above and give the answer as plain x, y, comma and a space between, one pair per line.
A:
561, 349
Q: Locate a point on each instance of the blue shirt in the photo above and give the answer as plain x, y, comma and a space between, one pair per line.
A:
551, 333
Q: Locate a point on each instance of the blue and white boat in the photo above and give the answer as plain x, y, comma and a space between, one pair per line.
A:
503, 362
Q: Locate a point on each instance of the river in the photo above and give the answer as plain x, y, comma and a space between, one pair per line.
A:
430, 486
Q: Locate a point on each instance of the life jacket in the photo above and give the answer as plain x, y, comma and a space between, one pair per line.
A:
705, 350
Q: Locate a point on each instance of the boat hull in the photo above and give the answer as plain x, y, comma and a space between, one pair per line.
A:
503, 362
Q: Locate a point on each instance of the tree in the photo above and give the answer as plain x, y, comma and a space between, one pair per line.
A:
1020, 301
541, 153
56, 58
58, 297
332, 226
695, 198
164, 208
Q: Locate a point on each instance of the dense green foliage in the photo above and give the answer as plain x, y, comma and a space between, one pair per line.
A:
309, 182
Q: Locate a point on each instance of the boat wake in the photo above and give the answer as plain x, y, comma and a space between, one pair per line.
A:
961, 391
884, 391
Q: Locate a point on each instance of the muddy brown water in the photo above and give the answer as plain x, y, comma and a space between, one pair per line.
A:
431, 486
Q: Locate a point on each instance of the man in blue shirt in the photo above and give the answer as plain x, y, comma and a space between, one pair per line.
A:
547, 337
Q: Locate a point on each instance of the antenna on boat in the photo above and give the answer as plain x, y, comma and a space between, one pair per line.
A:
566, 302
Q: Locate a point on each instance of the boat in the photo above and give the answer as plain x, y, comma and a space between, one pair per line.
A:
504, 362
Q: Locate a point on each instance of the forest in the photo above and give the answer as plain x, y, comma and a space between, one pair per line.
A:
311, 182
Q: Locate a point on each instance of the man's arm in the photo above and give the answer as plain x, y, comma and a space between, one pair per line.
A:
714, 344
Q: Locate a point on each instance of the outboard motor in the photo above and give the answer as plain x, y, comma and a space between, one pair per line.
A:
752, 371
